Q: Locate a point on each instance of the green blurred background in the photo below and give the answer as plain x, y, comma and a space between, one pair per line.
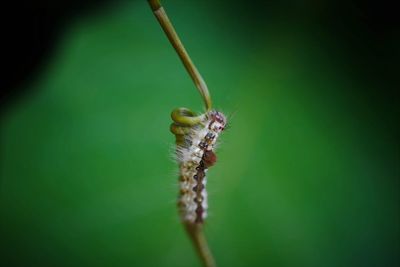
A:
307, 174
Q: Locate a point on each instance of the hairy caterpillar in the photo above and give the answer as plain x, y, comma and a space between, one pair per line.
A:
195, 154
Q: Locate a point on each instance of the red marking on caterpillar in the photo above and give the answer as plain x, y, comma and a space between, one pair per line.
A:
195, 156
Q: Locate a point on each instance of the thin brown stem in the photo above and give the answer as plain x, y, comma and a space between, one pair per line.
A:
195, 231
173, 37
184, 117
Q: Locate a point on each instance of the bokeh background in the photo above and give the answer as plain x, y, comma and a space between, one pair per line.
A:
307, 174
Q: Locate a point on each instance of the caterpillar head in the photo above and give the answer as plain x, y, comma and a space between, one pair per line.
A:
217, 121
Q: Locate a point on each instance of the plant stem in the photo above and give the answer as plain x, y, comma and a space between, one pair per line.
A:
173, 37
184, 118
195, 231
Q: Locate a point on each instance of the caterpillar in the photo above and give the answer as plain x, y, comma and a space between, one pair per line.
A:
195, 154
